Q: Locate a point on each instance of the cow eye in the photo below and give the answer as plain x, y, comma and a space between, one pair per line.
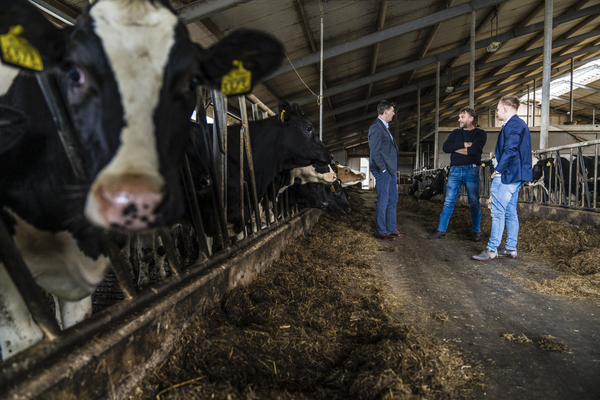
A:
309, 129
194, 83
76, 75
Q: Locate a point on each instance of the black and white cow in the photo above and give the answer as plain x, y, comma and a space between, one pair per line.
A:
127, 72
327, 197
285, 140
437, 185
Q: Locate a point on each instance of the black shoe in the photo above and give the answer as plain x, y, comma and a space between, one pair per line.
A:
476, 236
438, 235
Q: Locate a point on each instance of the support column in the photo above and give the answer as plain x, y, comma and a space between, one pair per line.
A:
418, 149
527, 120
472, 65
547, 65
571, 94
437, 115
321, 81
533, 105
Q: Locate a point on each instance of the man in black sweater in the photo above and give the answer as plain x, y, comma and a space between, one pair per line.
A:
465, 146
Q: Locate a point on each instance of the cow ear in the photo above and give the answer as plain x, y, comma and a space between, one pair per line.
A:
12, 127
257, 52
33, 42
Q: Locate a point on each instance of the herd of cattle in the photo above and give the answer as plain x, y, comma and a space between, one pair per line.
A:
128, 74
572, 180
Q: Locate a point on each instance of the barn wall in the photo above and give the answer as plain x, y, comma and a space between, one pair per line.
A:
555, 138
111, 364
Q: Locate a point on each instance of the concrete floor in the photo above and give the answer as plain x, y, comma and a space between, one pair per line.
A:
483, 301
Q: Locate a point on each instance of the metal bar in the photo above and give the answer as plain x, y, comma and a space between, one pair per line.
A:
172, 258
571, 93
437, 116
418, 149
559, 169
546, 74
321, 77
392, 72
585, 178
568, 146
188, 182
65, 129
533, 105
250, 160
241, 182
61, 15
528, 91
120, 267
204, 9
18, 271
595, 174
472, 61
579, 85
220, 135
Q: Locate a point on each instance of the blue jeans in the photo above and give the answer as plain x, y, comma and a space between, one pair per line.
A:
387, 199
504, 209
467, 175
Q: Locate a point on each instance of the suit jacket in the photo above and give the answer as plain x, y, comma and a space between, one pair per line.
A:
513, 152
383, 149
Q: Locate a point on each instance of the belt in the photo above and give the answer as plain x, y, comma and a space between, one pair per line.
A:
470, 165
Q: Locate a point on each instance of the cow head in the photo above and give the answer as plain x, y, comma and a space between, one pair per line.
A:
129, 73
300, 140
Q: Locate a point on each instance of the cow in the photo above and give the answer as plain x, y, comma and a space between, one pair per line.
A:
302, 175
436, 187
127, 73
286, 140
327, 197
347, 175
548, 176
415, 185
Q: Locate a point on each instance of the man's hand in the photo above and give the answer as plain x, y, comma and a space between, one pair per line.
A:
463, 151
468, 144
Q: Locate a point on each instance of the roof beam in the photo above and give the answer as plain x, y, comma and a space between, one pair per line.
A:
448, 54
465, 72
593, 89
369, 40
480, 82
432, 34
375, 55
205, 8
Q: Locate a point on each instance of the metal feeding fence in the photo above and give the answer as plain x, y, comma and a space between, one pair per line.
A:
134, 295
564, 176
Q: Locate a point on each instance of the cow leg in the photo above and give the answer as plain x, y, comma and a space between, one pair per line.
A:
70, 313
18, 330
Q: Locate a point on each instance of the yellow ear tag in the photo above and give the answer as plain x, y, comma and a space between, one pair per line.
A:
548, 164
281, 116
236, 81
332, 188
18, 51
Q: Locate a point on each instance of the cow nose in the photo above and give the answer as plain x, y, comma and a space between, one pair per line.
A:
205, 182
129, 202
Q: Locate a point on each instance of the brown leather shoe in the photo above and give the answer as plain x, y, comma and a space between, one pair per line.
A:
385, 236
398, 234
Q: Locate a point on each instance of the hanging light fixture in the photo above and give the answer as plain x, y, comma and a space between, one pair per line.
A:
494, 45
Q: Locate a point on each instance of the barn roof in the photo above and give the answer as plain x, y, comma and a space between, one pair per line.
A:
389, 49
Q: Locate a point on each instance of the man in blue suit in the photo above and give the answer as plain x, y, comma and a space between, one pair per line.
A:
383, 166
513, 167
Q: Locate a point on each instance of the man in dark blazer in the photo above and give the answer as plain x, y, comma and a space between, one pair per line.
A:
512, 168
383, 166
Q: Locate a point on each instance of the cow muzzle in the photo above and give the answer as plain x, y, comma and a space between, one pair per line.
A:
124, 202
